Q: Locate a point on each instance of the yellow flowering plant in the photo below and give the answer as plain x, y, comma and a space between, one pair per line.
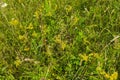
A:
30, 26
26, 49
84, 57
14, 22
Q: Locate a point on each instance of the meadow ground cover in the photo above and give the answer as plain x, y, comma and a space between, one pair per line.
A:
60, 39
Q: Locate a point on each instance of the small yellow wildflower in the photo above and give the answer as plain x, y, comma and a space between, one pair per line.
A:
21, 37
68, 8
17, 62
93, 55
98, 68
14, 22
36, 14
107, 76
44, 30
26, 49
114, 76
75, 20
63, 45
96, 55
61, 42
30, 26
10, 70
49, 52
34, 34
84, 57
58, 39
102, 72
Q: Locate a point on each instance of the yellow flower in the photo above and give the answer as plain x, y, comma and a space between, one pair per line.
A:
107, 76
94, 55
36, 14
102, 72
114, 76
44, 30
91, 54
30, 26
21, 37
34, 34
98, 68
75, 20
14, 22
63, 45
84, 57
17, 62
61, 42
58, 39
26, 49
49, 52
68, 8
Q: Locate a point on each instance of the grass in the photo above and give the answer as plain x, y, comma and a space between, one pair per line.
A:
60, 40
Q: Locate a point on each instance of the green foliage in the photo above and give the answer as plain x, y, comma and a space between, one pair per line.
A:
59, 40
